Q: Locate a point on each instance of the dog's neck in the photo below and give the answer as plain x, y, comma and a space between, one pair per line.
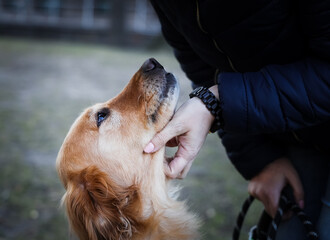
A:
170, 219
169, 216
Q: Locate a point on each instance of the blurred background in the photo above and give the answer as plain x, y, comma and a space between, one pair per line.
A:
56, 58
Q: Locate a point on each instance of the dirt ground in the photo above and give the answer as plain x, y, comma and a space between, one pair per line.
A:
43, 88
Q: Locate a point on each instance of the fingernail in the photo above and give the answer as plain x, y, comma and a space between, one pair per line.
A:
149, 148
301, 204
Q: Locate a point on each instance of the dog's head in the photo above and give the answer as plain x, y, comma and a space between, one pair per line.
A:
102, 164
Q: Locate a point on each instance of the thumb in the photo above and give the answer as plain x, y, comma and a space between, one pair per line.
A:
176, 167
179, 166
298, 192
160, 139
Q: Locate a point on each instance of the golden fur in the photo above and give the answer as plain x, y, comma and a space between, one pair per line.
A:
113, 189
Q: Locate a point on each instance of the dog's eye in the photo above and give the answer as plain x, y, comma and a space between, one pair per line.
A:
102, 115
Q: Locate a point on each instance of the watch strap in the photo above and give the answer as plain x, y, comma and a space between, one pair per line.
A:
212, 104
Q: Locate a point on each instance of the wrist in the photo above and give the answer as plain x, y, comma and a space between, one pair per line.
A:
215, 91
212, 103
203, 111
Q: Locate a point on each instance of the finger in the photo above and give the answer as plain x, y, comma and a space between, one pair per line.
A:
175, 167
185, 171
298, 191
270, 199
269, 204
158, 141
273, 204
251, 189
161, 138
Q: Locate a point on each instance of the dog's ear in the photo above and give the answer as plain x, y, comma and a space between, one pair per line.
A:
99, 209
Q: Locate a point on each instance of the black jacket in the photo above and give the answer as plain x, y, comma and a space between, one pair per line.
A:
270, 59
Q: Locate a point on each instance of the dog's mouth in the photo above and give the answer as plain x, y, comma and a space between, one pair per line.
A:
161, 89
171, 85
167, 99
171, 91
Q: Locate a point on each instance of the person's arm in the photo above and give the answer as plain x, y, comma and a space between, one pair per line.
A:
284, 97
277, 98
314, 77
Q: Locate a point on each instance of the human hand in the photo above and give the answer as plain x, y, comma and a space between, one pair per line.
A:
268, 184
187, 130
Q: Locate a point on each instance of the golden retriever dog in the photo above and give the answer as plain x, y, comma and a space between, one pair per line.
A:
113, 189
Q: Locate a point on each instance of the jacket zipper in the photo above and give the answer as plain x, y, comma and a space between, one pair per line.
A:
213, 40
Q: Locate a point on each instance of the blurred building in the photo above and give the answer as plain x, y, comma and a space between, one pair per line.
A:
114, 21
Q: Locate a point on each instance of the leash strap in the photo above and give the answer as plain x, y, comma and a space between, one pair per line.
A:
284, 205
241, 216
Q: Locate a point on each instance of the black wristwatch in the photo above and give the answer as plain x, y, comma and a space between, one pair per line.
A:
212, 104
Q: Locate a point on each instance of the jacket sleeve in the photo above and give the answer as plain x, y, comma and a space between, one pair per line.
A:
284, 97
251, 153
278, 98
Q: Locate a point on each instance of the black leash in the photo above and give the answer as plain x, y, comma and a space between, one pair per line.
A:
267, 227
241, 216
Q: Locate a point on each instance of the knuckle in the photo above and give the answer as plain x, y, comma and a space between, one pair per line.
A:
177, 127
262, 193
251, 190
160, 139
192, 151
176, 175
171, 175
299, 193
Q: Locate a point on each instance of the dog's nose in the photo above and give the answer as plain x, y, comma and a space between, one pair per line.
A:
151, 64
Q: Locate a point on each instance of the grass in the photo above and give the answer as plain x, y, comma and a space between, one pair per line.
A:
29, 203
43, 87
